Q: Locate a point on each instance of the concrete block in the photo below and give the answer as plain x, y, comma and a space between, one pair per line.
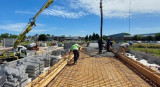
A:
24, 83
11, 84
3, 79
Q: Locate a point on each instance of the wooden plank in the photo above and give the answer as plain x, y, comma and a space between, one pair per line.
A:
147, 72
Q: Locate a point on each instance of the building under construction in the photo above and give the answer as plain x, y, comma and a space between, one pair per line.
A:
53, 66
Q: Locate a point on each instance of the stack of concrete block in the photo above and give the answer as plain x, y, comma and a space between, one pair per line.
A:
46, 59
56, 52
3, 79
16, 76
32, 69
38, 61
35, 66
64, 52
44, 52
10, 64
54, 59
22, 77
31, 53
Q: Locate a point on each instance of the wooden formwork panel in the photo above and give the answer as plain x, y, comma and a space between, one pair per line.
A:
93, 72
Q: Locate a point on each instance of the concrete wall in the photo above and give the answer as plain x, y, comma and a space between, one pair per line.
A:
9, 42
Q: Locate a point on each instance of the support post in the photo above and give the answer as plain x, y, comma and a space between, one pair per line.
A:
101, 11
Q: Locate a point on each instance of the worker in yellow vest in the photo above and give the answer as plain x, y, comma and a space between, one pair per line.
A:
75, 48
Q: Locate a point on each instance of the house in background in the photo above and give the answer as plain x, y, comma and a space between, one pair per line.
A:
120, 37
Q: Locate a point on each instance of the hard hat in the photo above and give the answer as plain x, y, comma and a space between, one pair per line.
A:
131, 43
113, 42
109, 37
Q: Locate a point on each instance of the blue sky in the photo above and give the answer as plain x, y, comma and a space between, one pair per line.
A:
80, 17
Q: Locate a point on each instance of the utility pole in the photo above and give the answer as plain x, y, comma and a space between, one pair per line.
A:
101, 11
129, 16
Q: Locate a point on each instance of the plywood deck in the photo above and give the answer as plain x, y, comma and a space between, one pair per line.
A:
97, 72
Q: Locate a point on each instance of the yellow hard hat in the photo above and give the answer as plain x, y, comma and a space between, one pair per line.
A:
109, 37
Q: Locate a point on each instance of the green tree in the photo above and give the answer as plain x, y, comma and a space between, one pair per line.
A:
104, 37
86, 38
48, 35
5, 35
157, 36
140, 37
42, 37
63, 35
90, 37
150, 38
136, 37
13, 36
97, 37
94, 36
127, 34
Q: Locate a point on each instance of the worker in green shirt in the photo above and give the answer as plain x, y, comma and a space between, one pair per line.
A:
75, 49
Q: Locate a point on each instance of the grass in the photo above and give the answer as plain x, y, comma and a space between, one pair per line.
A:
147, 48
147, 45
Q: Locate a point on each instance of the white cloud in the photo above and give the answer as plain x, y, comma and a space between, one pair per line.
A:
18, 27
60, 11
117, 8
111, 8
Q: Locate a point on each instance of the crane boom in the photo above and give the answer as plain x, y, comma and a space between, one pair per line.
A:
30, 24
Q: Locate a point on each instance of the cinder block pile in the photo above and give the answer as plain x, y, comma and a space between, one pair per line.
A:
56, 52
3, 79
31, 53
54, 59
16, 76
64, 52
32, 69
38, 61
16, 73
46, 59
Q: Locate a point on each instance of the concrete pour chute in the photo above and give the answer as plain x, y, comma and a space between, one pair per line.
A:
19, 72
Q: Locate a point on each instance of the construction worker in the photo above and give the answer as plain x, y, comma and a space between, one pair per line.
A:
100, 45
109, 44
75, 49
125, 47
